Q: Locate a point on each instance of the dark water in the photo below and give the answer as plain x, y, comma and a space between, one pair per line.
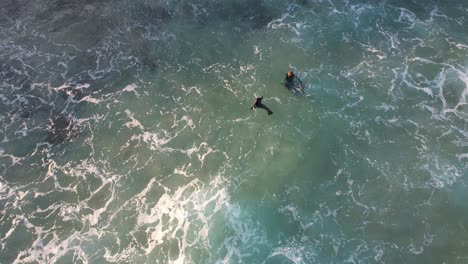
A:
126, 134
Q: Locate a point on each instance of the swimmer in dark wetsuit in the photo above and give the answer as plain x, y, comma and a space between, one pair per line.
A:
289, 81
258, 103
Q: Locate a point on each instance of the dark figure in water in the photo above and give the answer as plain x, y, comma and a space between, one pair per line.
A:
258, 103
289, 82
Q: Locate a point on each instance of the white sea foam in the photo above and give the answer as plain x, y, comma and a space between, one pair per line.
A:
134, 122
188, 210
406, 17
130, 88
147, 192
463, 157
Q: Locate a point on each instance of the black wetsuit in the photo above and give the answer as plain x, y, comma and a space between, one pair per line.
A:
258, 103
289, 83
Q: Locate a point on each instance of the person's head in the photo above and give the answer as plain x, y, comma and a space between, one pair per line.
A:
290, 74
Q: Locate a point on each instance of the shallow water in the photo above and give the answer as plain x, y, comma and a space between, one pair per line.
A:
164, 163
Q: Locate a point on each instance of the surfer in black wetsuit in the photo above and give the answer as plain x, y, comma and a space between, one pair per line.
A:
258, 103
289, 81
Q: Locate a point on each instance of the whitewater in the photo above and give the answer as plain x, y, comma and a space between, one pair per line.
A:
126, 134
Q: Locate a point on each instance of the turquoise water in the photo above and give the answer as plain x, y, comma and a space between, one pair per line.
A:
160, 160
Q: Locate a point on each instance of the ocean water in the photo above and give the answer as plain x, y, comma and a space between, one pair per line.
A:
126, 134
